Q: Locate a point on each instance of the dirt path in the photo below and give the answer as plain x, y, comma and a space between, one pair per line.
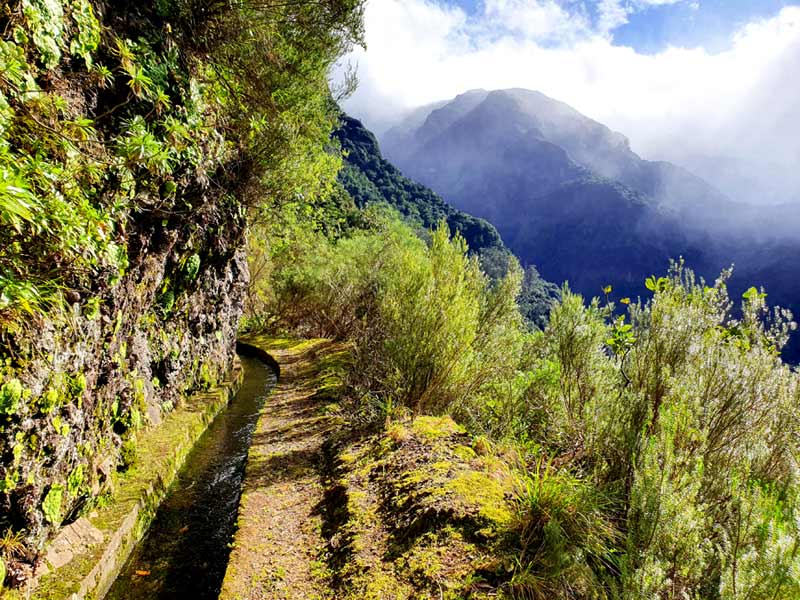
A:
279, 551
330, 513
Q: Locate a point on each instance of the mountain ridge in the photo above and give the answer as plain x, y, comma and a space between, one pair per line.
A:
587, 142
569, 194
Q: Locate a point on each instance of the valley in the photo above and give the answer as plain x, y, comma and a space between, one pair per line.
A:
569, 195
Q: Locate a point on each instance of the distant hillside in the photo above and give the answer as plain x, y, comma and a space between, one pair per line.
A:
569, 194
369, 178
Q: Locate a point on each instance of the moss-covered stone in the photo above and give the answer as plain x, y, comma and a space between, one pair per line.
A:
465, 452
485, 493
124, 514
424, 513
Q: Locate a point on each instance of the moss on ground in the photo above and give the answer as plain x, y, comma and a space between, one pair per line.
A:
433, 428
483, 492
424, 514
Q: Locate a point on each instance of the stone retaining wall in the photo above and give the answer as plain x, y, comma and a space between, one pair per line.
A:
84, 559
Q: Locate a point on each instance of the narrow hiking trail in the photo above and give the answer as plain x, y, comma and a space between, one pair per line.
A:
279, 550
329, 510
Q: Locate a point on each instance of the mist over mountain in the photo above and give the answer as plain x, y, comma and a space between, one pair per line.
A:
520, 120
763, 183
569, 194
752, 156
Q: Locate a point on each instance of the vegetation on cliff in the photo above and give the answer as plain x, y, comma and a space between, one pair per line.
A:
136, 139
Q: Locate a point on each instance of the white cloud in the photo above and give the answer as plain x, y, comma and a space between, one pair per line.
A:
420, 51
536, 20
613, 14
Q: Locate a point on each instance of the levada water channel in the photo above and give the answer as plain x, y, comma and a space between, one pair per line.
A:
185, 552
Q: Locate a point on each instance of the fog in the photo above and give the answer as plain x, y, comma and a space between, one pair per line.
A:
750, 151
730, 117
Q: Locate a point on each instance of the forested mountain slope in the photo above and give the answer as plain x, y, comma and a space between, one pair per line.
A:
369, 178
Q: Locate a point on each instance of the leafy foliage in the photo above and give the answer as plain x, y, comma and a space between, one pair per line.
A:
10, 395
51, 506
236, 97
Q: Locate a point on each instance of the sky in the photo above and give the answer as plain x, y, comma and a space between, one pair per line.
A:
680, 78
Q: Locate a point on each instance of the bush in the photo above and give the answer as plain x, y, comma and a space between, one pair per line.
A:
717, 415
564, 539
687, 418
430, 331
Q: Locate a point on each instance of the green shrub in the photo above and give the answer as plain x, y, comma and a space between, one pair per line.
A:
682, 422
761, 551
445, 328
717, 415
563, 538
430, 330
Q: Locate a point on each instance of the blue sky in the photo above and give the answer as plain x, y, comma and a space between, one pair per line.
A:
705, 23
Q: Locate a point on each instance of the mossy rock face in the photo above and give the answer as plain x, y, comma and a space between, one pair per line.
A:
425, 514
114, 296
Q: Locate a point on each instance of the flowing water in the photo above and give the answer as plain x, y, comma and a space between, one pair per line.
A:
185, 552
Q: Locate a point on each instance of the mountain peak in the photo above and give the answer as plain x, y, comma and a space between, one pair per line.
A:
519, 111
520, 129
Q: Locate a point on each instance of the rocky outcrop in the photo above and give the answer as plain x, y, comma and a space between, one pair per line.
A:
122, 263
113, 367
